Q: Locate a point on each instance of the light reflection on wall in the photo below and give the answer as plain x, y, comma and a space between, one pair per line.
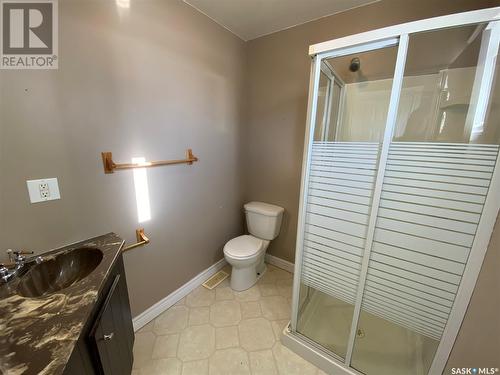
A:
141, 191
123, 4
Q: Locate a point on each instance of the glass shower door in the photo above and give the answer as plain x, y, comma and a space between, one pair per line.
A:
400, 196
324, 103
436, 179
349, 128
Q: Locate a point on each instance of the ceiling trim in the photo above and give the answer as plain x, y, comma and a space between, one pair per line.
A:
217, 22
315, 19
282, 29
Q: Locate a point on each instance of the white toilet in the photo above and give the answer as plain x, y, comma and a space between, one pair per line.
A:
246, 253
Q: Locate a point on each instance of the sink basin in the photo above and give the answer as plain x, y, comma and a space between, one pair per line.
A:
59, 272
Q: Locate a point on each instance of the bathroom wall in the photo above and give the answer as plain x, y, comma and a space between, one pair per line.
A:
478, 341
149, 80
276, 99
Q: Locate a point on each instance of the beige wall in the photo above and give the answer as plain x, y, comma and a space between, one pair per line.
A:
478, 342
276, 99
151, 81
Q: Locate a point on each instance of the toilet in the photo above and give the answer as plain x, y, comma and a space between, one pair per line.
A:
246, 253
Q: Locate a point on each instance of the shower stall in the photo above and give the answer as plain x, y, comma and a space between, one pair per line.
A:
400, 191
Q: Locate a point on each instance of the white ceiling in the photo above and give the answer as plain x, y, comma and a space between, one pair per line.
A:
250, 19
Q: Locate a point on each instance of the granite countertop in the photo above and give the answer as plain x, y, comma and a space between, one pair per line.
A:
37, 335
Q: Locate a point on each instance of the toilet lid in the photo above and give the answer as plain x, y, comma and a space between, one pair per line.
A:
243, 246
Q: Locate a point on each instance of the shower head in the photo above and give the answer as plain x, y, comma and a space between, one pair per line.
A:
355, 64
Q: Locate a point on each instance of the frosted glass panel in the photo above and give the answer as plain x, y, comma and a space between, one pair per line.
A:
343, 170
395, 208
436, 180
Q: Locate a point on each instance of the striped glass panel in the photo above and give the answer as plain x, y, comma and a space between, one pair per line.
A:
341, 175
339, 201
429, 213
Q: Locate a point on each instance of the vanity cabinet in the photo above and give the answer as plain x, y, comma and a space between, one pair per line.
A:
105, 346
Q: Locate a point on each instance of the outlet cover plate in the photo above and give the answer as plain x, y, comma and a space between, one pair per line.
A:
46, 189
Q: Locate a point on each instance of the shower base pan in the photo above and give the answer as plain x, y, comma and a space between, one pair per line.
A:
311, 352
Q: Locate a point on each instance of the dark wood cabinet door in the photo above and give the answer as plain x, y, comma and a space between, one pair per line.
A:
111, 332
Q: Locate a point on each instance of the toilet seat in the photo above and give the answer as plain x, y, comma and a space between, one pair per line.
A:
243, 247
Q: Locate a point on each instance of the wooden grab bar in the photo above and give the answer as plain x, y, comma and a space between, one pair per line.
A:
141, 240
110, 165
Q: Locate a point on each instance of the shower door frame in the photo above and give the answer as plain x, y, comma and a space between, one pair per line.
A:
372, 40
333, 79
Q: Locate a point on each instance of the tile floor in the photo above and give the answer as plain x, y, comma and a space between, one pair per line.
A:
221, 332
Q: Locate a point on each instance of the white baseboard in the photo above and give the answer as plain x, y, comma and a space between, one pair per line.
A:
280, 263
146, 316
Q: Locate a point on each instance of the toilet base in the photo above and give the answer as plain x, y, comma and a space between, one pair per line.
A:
244, 278
245, 272
261, 266
261, 273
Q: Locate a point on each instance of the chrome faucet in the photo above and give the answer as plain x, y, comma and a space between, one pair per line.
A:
17, 262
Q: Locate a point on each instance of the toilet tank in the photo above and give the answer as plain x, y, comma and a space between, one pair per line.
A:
263, 219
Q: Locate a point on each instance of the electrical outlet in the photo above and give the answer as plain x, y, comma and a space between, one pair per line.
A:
43, 190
